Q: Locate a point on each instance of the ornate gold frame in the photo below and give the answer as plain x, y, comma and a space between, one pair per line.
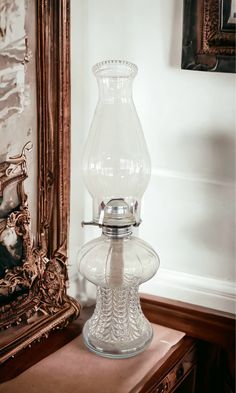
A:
46, 305
13, 172
206, 45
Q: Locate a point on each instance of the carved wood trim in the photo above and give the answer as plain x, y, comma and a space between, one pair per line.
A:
54, 122
198, 322
205, 46
53, 76
47, 304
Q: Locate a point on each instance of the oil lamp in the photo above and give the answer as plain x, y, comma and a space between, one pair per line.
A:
116, 167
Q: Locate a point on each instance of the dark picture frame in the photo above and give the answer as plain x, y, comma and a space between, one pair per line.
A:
208, 36
45, 305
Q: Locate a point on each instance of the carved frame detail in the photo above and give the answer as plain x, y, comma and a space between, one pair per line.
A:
46, 305
206, 46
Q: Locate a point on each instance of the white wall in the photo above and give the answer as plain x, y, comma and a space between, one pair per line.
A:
189, 123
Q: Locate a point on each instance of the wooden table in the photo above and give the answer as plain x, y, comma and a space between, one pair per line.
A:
168, 365
212, 331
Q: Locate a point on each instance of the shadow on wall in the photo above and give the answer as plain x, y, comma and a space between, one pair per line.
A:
210, 157
85, 291
222, 159
176, 36
214, 224
202, 156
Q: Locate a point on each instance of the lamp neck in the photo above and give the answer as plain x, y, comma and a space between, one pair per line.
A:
117, 232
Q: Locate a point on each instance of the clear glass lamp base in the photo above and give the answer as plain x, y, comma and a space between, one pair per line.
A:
117, 329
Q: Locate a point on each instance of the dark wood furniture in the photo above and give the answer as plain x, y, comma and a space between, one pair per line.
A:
215, 332
176, 373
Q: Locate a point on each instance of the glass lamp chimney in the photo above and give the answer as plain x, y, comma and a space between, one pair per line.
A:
116, 163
